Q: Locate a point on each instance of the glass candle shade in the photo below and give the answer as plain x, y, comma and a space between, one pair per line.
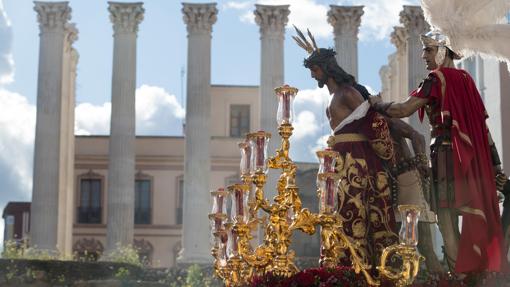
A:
327, 160
408, 234
258, 144
219, 209
327, 183
245, 164
286, 95
219, 197
232, 246
222, 254
239, 194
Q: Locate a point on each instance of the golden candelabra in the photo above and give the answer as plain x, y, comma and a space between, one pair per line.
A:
237, 261
406, 250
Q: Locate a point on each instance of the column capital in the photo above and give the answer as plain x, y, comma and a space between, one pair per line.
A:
398, 38
71, 35
52, 16
199, 18
412, 19
345, 19
125, 17
272, 19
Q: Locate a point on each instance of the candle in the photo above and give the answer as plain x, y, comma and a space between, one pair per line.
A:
245, 157
239, 202
260, 152
218, 222
220, 198
286, 107
330, 193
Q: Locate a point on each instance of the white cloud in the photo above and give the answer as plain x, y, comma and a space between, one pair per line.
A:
370, 90
6, 59
17, 126
157, 113
377, 22
303, 13
247, 17
305, 124
17, 131
321, 143
237, 5
311, 123
91, 119
306, 14
380, 17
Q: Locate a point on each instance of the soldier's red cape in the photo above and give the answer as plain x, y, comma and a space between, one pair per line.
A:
481, 241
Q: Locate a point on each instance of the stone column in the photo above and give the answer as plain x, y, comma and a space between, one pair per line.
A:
121, 168
66, 184
399, 39
345, 21
393, 76
385, 75
52, 18
414, 24
271, 20
199, 19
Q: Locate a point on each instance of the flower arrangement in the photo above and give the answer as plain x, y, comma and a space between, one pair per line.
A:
316, 277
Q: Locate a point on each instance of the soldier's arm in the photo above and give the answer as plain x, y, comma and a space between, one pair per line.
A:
409, 106
398, 110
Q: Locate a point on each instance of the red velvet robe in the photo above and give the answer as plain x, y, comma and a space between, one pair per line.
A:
481, 241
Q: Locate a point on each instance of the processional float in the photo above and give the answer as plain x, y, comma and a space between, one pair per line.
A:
237, 260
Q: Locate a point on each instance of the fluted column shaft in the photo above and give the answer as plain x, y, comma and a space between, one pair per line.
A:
414, 24
199, 19
346, 21
399, 39
385, 75
393, 74
121, 169
66, 184
52, 18
271, 20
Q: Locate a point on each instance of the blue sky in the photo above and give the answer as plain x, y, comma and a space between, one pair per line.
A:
162, 46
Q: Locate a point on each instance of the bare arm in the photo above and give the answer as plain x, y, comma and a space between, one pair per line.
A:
401, 130
407, 131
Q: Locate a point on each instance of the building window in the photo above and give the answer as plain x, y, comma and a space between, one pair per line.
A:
179, 200
239, 120
143, 201
89, 210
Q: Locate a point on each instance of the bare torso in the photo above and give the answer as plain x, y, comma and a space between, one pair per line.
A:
345, 100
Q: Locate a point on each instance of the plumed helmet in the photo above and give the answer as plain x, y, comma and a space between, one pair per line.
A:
435, 38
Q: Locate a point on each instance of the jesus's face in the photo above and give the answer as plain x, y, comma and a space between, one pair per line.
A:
318, 74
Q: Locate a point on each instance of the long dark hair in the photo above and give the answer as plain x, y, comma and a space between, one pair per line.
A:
325, 59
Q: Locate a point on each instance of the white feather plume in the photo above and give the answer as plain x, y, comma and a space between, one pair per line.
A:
473, 26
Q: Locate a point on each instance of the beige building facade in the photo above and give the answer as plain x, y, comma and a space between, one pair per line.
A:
159, 182
159, 178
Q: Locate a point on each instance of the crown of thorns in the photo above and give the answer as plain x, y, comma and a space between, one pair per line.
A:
317, 56
304, 43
